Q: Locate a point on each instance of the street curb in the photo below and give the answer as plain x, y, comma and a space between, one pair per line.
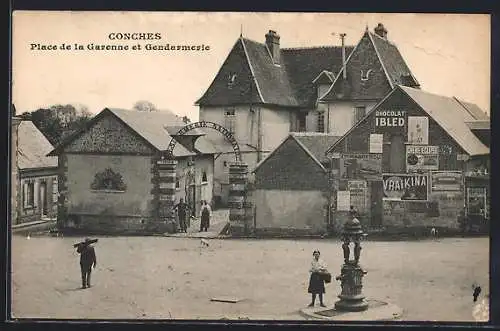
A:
387, 312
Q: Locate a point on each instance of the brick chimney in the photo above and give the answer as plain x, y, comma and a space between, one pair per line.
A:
381, 31
273, 44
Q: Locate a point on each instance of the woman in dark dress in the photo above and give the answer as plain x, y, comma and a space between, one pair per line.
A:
316, 282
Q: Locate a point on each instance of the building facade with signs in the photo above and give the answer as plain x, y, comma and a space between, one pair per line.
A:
292, 186
264, 91
109, 180
34, 175
409, 160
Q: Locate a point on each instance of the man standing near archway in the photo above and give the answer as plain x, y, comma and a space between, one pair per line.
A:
182, 211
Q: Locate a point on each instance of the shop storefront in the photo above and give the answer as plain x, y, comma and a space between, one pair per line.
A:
405, 164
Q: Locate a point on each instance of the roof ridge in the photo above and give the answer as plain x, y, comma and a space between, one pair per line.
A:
389, 78
297, 48
312, 47
251, 40
254, 78
381, 38
308, 152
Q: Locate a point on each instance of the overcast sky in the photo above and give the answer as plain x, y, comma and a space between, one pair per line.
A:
448, 53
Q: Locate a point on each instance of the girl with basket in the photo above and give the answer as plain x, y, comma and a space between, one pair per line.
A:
319, 275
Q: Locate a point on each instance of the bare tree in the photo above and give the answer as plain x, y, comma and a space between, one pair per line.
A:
144, 105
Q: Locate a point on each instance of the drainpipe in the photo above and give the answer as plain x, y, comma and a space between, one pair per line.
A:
342, 36
259, 135
327, 118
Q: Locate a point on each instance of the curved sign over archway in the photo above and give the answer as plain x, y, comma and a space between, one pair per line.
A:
204, 124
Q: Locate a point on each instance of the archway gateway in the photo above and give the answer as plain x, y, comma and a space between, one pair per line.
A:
238, 181
205, 124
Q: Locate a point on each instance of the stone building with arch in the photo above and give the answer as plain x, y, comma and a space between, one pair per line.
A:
109, 180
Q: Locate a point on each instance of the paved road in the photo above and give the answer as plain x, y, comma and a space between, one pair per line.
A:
160, 277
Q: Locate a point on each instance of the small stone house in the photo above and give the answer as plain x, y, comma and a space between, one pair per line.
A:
34, 175
108, 176
292, 186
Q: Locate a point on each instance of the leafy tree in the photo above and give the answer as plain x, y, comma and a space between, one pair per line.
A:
144, 105
58, 121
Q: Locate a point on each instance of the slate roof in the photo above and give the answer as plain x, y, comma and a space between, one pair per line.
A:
33, 147
394, 66
291, 82
287, 84
305, 64
315, 144
448, 113
154, 127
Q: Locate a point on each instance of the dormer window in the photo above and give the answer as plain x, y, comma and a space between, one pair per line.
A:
231, 78
365, 74
322, 89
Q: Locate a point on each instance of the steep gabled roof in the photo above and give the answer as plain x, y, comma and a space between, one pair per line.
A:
396, 71
244, 89
152, 127
315, 145
448, 113
258, 79
33, 147
395, 66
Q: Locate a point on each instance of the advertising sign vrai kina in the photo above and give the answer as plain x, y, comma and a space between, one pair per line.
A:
405, 186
